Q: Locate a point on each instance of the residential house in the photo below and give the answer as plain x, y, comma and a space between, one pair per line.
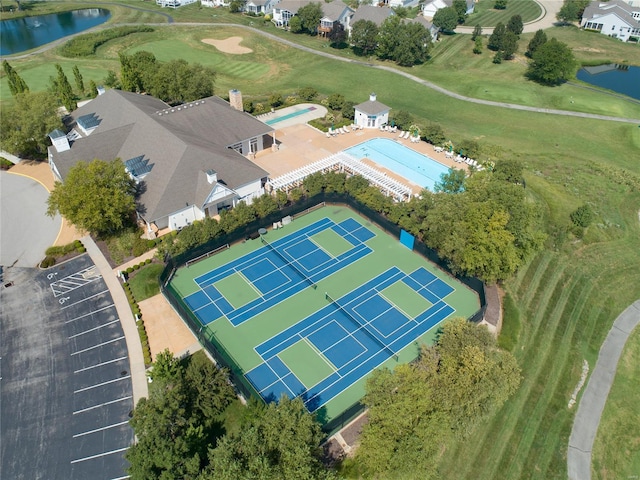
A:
372, 113
285, 10
616, 19
430, 7
174, 3
370, 13
334, 13
215, 3
402, 3
433, 30
258, 6
190, 161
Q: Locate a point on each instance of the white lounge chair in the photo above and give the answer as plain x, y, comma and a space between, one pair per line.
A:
401, 134
407, 135
328, 134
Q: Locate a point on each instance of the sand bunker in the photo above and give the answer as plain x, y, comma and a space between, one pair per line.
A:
229, 45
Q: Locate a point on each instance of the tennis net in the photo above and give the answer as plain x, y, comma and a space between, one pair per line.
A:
363, 326
289, 263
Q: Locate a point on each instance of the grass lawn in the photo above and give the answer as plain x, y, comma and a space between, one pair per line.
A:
616, 452
144, 283
486, 16
567, 296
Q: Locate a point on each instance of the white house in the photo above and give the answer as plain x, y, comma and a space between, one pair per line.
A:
190, 161
616, 19
285, 10
174, 3
430, 7
215, 3
372, 113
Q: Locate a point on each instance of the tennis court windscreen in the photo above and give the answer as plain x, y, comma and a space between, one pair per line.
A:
363, 325
289, 263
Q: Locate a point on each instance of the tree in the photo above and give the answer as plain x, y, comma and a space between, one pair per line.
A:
177, 82
477, 47
515, 25
275, 100
111, 80
335, 101
16, 83
451, 182
308, 94
477, 32
434, 134
24, 126
364, 36
295, 24
461, 9
337, 35
509, 45
78, 79
500, 4
93, 89
553, 63
571, 10
495, 40
98, 197
402, 119
137, 71
61, 88
310, 16
582, 216
508, 171
405, 43
446, 19
538, 39
236, 6
279, 440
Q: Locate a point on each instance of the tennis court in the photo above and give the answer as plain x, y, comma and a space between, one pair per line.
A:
312, 309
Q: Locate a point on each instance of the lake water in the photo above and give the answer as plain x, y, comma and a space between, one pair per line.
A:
622, 79
26, 33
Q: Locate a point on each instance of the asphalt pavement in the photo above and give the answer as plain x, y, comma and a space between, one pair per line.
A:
585, 424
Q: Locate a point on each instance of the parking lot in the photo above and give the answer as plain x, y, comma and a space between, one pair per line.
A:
65, 386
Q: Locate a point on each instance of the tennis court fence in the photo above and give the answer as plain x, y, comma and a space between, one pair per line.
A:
245, 232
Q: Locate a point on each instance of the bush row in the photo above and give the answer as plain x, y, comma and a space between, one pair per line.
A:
137, 266
142, 332
54, 253
85, 45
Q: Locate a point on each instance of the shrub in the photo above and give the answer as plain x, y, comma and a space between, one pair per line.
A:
48, 261
85, 45
582, 216
5, 164
129, 270
275, 100
307, 94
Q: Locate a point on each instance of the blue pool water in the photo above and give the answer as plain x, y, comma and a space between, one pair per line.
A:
289, 115
402, 160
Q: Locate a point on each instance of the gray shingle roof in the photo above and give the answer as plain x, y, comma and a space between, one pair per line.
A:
333, 10
179, 145
374, 14
372, 108
622, 10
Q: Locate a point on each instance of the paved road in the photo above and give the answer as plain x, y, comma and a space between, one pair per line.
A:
585, 424
25, 229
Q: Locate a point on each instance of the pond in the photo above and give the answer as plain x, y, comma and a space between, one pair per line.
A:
26, 33
622, 79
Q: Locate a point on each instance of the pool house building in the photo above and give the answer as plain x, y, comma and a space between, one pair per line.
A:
372, 113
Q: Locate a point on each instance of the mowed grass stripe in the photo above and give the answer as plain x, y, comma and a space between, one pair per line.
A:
552, 401
529, 285
493, 454
521, 425
527, 9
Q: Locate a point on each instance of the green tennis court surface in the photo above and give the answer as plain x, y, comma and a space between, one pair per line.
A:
375, 302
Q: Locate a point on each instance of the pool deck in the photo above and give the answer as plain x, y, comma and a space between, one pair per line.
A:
301, 144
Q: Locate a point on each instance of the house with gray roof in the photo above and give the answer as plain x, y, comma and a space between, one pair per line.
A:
433, 30
370, 13
616, 19
334, 13
372, 113
189, 161
285, 10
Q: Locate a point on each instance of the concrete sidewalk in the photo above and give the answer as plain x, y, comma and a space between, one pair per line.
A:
585, 424
136, 359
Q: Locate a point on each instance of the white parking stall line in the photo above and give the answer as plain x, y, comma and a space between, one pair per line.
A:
100, 429
62, 301
101, 384
99, 455
100, 364
94, 328
122, 478
96, 346
102, 405
90, 313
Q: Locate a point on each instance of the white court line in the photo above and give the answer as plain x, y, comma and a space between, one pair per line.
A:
101, 384
85, 299
100, 429
319, 353
100, 364
99, 455
90, 313
243, 276
102, 405
94, 328
96, 346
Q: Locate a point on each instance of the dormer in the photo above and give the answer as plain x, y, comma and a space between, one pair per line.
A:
212, 177
137, 167
59, 140
88, 123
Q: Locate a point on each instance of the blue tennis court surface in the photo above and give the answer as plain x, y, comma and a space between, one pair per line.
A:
354, 334
290, 265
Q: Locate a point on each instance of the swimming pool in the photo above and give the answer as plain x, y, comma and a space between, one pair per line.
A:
402, 160
289, 115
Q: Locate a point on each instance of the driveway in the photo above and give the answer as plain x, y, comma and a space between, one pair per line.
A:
25, 229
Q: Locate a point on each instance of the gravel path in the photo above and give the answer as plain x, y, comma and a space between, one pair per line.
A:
585, 424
